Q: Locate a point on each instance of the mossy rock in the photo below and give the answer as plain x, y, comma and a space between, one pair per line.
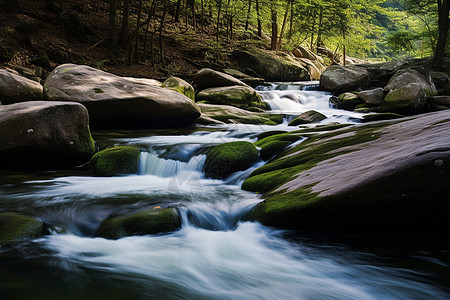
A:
224, 159
179, 85
308, 117
16, 227
116, 161
408, 99
285, 137
349, 101
152, 221
381, 116
272, 148
239, 96
269, 133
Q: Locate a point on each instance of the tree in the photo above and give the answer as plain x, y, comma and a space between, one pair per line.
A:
443, 22
112, 29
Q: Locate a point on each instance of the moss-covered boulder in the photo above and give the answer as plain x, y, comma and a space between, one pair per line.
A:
224, 159
239, 96
179, 85
212, 113
17, 227
308, 117
339, 79
41, 134
152, 221
389, 175
381, 116
245, 78
15, 88
209, 78
116, 161
270, 66
381, 73
409, 99
274, 144
405, 77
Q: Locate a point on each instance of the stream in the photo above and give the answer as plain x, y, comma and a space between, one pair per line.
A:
217, 253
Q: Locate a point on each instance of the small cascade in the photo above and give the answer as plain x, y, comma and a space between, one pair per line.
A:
151, 164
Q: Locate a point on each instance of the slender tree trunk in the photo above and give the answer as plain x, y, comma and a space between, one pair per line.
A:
291, 20
202, 21
283, 26
112, 30
259, 19
187, 14
177, 11
218, 21
344, 49
273, 42
193, 13
443, 21
161, 48
123, 41
248, 14
138, 25
319, 30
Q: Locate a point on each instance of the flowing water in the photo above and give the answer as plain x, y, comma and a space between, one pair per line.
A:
217, 253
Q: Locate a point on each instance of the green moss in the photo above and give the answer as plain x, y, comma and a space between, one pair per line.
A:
116, 161
180, 86
98, 91
321, 128
224, 159
297, 121
151, 221
15, 227
239, 96
270, 133
272, 148
271, 123
86, 144
381, 116
286, 137
276, 118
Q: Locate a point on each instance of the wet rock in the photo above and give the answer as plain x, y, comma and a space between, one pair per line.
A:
41, 134
409, 99
239, 96
152, 221
120, 102
247, 79
381, 73
439, 102
116, 161
15, 88
179, 85
208, 78
381, 116
338, 79
372, 97
405, 77
310, 116
17, 227
224, 159
348, 101
230, 114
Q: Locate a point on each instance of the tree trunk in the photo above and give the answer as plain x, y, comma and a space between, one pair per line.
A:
248, 14
138, 24
319, 30
123, 41
161, 48
443, 21
202, 21
291, 21
112, 29
283, 26
218, 21
193, 13
177, 11
273, 42
259, 19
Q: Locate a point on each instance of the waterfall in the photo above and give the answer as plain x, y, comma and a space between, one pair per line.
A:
151, 164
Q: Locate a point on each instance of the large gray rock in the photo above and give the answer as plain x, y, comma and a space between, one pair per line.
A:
120, 102
179, 85
387, 175
409, 99
208, 78
338, 79
239, 96
440, 102
381, 73
44, 134
405, 77
270, 67
15, 88
372, 97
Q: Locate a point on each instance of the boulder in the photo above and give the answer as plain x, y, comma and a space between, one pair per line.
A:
44, 134
231, 114
338, 79
273, 144
208, 78
224, 159
405, 77
15, 88
239, 96
381, 116
120, 102
152, 221
17, 227
348, 101
179, 85
372, 97
439, 102
302, 52
270, 67
116, 161
245, 78
442, 82
388, 176
311, 116
409, 99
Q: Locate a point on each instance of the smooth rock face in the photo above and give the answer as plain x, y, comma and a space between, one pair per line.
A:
179, 85
119, 102
239, 96
408, 99
307, 117
212, 114
405, 77
338, 79
387, 175
15, 88
44, 134
208, 78
440, 102
16, 227
372, 97
150, 221
381, 73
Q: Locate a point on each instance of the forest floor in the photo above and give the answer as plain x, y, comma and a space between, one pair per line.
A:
76, 32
